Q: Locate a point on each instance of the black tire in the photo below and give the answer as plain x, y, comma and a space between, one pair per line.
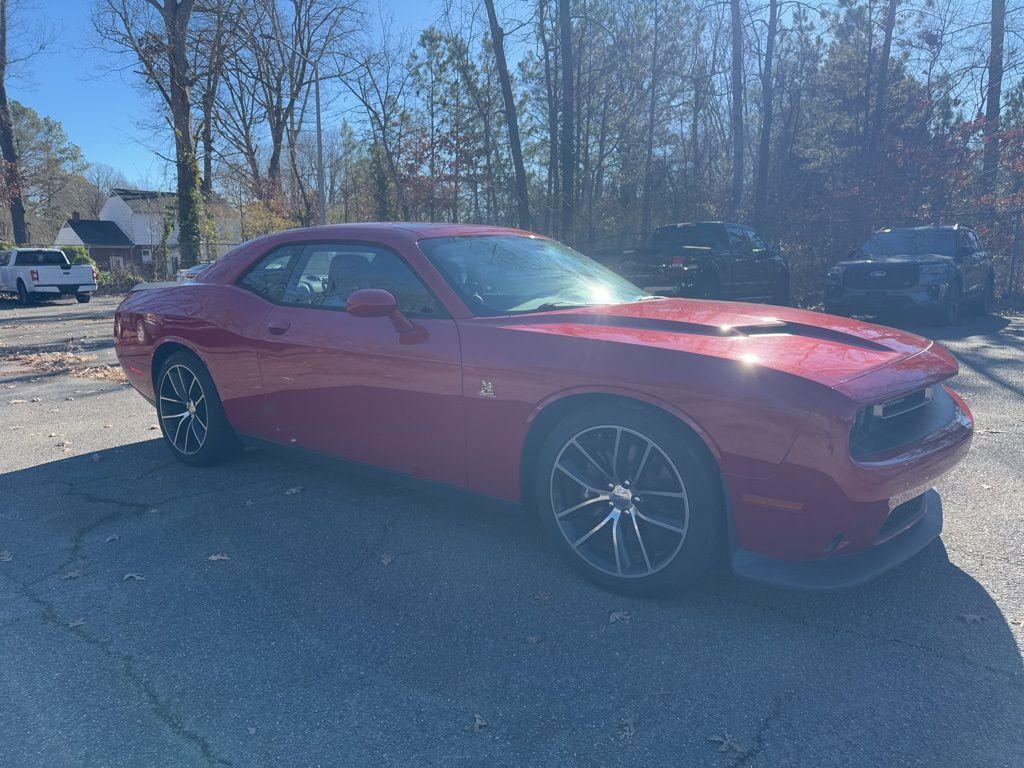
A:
24, 297
83, 298
949, 313
681, 535
711, 286
987, 301
198, 398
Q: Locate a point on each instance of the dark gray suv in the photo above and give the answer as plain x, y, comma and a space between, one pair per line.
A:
934, 270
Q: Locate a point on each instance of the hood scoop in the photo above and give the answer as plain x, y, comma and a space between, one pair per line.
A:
810, 332
777, 328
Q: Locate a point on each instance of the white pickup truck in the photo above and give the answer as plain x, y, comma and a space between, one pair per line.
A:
33, 273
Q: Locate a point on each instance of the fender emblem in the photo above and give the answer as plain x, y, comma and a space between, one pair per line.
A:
878, 273
486, 388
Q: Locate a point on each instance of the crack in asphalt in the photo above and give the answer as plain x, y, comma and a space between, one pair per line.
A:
129, 665
773, 715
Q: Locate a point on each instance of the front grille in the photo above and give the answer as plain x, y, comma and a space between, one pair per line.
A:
901, 518
880, 276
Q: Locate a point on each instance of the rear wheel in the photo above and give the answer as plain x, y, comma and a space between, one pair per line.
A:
949, 314
24, 297
83, 298
191, 415
629, 498
780, 294
987, 300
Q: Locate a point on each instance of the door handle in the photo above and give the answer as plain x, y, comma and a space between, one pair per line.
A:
278, 327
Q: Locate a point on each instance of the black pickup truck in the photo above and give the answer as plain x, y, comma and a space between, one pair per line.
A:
708, 259
928, 270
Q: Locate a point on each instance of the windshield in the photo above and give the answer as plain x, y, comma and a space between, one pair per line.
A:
899, 242
42, 259
507, 274
699, 236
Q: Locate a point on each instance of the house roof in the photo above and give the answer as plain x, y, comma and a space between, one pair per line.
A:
146, 201
97, 232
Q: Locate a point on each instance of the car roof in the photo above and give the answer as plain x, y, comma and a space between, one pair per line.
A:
927, 227
422, 229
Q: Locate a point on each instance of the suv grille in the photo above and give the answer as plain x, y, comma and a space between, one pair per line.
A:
880, 276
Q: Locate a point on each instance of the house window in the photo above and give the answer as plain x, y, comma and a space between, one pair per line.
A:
117, 263
147, 256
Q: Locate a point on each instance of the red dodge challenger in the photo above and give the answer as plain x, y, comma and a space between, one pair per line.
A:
650, 436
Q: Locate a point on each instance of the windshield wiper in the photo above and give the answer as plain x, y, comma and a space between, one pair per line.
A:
550, 305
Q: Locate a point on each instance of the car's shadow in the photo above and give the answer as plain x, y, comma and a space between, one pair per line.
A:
402, 613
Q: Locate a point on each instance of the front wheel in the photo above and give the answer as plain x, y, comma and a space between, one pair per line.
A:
191, 416
630, 498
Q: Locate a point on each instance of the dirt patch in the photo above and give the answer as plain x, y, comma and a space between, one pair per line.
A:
66, 362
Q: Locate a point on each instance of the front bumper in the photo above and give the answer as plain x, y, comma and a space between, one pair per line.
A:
846, 301
850, 570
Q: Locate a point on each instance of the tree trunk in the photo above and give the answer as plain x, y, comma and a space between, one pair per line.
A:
736, 110
12, 181
176, 14
652, 106
551, 209
511, 121
877, 133
568, 133
767, 115
990, 131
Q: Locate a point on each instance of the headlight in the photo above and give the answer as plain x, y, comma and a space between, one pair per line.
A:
933, 270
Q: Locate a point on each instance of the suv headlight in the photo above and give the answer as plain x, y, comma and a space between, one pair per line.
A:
933, 270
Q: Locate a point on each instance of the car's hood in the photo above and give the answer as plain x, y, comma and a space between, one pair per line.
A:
904, 258
824, 348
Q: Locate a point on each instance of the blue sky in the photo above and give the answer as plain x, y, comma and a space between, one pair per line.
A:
100, 109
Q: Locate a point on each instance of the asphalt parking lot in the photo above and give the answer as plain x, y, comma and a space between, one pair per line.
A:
276, 611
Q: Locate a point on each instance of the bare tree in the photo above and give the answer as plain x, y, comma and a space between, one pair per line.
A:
511, 119
736, 109
767, 115
990, 165
567, 139
161, 46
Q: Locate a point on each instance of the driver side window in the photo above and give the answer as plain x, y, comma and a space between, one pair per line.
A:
326, 275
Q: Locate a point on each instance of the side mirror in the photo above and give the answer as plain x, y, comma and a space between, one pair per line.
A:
374, 302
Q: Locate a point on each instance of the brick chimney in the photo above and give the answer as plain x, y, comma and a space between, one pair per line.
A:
75, 216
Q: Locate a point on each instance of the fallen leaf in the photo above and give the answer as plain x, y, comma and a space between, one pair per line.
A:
727, 743
71, 575
112, 537
387, 559
293, 491
218, 556
534, 639
6, 557
249, 503
251, 731
108, 426
543, 597
477, 725
37, 400
76, 623
618, 616
16, 402
154, 427
133, 577
96, 457
627, 729
973, 618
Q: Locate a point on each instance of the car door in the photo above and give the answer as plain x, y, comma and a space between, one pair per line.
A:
762, 270
979, 262
741, 266
357, 387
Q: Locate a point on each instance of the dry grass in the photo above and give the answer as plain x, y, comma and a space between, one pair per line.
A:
68, 363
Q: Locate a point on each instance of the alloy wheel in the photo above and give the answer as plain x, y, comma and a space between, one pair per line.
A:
184, 412
619, 501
